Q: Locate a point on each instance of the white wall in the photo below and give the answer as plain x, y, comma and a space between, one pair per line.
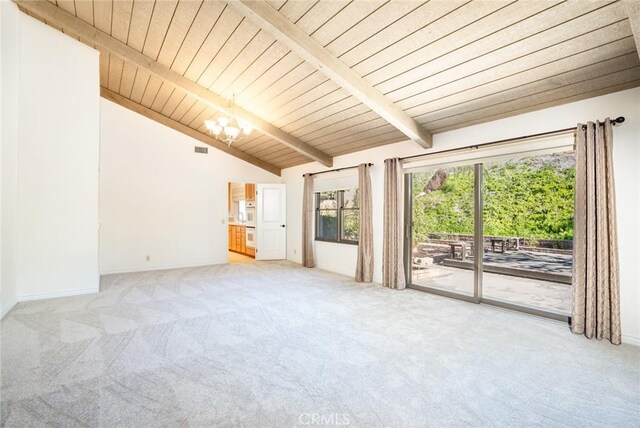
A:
50, 164
160, 199
1, 119
58, 163
342, 258
9, 48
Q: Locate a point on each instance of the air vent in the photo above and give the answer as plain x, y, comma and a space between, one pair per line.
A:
202, 150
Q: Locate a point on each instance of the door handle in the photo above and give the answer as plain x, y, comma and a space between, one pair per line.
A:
282, 225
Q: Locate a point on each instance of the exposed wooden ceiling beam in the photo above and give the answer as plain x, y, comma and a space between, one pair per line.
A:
75, 26
269, 19
632, 7
173, 124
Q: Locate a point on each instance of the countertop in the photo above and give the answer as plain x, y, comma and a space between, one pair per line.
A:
236, 223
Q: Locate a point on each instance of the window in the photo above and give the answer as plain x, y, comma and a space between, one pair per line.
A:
338, 216
242, 210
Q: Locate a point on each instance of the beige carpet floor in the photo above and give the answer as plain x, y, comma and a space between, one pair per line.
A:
270, 344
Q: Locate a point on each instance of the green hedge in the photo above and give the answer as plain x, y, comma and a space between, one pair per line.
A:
525, 198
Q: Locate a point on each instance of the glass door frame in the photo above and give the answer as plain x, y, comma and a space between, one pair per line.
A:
478, 255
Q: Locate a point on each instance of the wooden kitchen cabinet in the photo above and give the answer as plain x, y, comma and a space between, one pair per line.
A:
250, 192
240, 245
238, 240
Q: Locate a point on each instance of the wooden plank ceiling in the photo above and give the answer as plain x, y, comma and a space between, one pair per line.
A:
448, 64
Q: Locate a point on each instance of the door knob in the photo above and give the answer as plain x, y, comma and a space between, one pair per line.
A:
282, 225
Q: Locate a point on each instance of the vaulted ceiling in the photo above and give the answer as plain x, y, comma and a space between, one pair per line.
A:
326, 78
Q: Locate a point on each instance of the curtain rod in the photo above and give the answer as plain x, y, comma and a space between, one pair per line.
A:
614, 122
337, 169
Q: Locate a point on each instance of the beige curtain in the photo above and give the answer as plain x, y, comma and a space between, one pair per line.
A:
364, 268
596, 286
307, 222
392, 262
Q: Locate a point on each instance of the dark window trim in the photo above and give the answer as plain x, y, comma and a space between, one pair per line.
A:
339, 209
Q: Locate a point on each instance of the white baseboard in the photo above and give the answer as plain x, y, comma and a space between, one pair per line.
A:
164, 267
54, 294
339, 271
7, 308
630, 340
296, 259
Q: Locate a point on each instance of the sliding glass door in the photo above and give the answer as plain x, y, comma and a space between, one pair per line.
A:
442, 230
496, 231
528, 231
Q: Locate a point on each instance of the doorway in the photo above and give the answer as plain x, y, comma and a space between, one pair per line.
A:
241, 219
496, 231
257, 222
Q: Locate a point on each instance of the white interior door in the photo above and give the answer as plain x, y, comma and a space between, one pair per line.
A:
271, 207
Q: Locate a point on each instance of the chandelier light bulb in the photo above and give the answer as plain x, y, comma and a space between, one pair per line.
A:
232, 131
228, 129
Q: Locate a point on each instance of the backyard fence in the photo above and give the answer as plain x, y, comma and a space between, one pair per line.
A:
557, 246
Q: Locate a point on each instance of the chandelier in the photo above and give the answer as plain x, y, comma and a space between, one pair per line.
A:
229, 128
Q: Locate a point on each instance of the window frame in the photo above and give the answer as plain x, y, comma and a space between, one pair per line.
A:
339, 210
